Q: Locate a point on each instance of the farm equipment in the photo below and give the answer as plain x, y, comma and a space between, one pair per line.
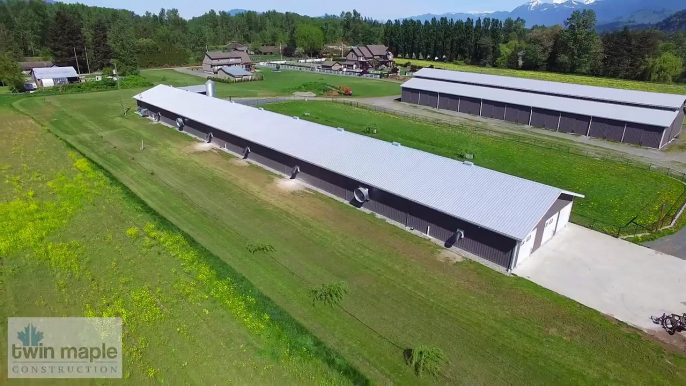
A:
671, 323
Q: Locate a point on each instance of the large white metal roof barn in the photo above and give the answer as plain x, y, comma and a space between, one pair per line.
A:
498, 217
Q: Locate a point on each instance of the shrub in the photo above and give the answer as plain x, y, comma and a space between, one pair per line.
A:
132, 81
371, 128
425, 359
329, 294
261, 247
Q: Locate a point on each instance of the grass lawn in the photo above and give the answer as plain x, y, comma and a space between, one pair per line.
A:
281, 83
551, 76
614, 193
74, 242
4, 90
493, 329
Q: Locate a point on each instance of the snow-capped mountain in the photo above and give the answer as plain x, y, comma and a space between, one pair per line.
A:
551, 12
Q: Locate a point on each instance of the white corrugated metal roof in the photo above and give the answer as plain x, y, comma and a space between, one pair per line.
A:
500, 202
643, 98
55, 72
623, 113
199, 88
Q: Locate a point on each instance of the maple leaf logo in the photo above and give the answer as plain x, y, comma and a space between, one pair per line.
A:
30, 336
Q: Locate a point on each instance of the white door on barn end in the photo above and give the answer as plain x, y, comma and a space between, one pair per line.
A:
526, 247
564, 217
549, 228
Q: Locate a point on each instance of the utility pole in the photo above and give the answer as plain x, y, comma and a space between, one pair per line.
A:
77, 62
87, 62
121, 101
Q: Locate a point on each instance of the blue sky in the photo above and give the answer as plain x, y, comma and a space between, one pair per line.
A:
380, 9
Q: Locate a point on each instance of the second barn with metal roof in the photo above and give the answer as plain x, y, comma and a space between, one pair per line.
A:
495, 216
636, 117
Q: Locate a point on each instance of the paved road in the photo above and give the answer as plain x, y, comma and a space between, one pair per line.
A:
618, 278
674, 245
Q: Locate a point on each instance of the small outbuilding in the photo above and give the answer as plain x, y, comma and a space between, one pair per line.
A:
54, 76
332, 66
493, 216
234, 73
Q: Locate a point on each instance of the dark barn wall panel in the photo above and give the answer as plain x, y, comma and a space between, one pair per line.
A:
448, 102
406, 95
492, 109
546, 119
574, 123
607, 129
634, 133
428, 98
267, 157
678, 124
387, 205
499, 110
652, 136
232, 143
518, 114
470, 105
410, 96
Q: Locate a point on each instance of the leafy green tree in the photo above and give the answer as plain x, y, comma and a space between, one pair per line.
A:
579, 45
8, 45
310, 38
123, 42
665, 68
425, 359
10, 74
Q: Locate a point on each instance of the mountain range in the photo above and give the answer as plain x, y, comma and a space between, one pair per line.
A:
540, 12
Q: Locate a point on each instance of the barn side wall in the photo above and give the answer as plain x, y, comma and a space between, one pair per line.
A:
608, 129
483, 243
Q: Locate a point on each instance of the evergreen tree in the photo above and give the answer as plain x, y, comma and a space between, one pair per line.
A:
65, 38
102, 53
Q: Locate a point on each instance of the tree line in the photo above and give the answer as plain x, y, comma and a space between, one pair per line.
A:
575, 48
96, 38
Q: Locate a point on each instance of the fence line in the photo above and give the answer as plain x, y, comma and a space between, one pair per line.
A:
323, 71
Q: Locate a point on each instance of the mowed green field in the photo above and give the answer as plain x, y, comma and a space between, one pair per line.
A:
282, 83
674, 88
403, 292
614, 193
73, 242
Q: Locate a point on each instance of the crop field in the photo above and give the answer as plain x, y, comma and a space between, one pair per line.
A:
614, 193
403, 291
551, 76
281, 83
73, 242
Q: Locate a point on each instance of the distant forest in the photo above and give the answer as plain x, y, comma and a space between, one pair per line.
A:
62, 31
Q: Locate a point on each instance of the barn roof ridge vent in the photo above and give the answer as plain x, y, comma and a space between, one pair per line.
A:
296, 117
468, 163
340, 129
395, 143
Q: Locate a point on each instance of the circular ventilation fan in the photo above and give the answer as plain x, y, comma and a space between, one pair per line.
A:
361, 195
179, 123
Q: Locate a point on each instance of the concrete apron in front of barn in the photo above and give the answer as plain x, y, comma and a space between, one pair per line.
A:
626, 281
